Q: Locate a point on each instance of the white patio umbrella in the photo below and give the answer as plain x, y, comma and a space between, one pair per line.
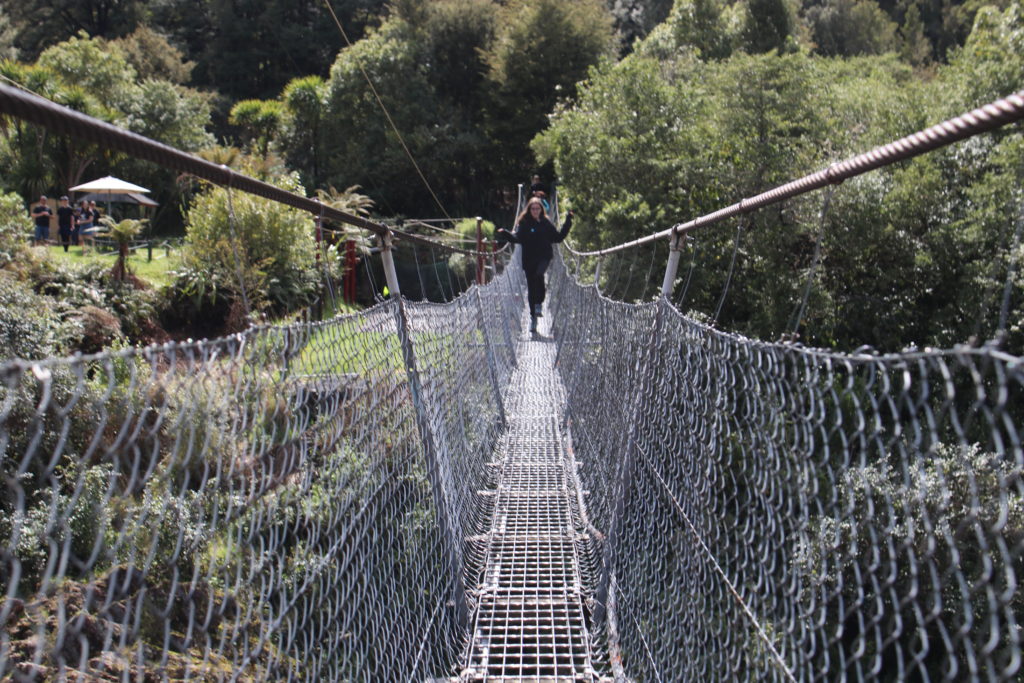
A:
108, 185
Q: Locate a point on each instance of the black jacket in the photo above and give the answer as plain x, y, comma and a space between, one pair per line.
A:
536, 237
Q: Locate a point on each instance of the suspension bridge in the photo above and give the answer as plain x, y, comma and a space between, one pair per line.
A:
428, 492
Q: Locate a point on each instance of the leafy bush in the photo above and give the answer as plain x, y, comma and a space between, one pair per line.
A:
244, 245
950, 511
29, 325
74, 287
15, 226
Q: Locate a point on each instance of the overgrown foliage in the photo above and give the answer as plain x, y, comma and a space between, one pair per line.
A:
243, 252
914, 253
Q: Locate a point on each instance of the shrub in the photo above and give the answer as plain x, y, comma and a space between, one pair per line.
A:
905, 527
243, 244
29, 325
15, 226
99, 328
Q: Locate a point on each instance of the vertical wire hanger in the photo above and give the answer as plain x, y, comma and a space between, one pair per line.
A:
234, 246
689, 274
323, 259
1011, 270
728, 277
815, 260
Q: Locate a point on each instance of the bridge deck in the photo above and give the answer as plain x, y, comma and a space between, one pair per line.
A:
531, 622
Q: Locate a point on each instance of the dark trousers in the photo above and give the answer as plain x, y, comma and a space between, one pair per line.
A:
535, 281
65, 237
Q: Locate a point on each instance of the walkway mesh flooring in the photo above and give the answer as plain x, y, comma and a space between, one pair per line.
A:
530, 621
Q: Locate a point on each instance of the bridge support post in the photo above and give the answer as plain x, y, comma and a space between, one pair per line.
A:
452, 549
479, 250
389, 267
669, 283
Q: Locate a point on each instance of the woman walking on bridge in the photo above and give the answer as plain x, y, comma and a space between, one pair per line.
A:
534, 233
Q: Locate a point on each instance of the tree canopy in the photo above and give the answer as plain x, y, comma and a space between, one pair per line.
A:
645, 112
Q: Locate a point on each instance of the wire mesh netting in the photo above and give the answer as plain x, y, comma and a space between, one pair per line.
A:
266, 506
772, 512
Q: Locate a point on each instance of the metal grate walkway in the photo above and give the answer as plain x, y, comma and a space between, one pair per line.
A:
530, 621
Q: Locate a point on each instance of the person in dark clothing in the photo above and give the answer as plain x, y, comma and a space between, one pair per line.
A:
41, 215
83, 218
534, 233
65, 222
539, 189
536, 185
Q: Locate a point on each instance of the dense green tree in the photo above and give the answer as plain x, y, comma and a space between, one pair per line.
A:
769, 26
990, 64
301, 138
252, 48
631, 153
95, 65
42, 24
635, 19
915, 253
8, 36
544, 49
152, 56
259, 119
703, 25
410, 63
361, 147
916, 49
851, 27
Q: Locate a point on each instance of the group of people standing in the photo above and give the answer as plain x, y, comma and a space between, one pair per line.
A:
73, 223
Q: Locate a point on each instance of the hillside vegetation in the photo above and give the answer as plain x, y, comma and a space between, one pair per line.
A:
646, 112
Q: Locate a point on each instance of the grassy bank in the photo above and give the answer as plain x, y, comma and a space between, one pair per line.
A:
156, 272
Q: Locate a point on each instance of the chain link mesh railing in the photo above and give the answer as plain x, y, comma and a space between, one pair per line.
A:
772, 512
267, 506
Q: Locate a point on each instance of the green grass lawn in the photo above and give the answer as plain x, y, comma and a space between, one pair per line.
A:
155, 272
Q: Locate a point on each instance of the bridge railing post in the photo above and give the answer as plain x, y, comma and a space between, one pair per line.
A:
445, 524
388, 259
672, 267
479, 250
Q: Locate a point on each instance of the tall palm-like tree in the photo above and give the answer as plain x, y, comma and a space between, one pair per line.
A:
349, 200
122, 232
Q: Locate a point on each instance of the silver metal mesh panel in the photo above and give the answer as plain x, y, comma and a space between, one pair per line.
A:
534, 568
285, 504
770, 512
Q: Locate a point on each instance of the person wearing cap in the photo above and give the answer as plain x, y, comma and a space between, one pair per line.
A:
65, 222
41, 215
